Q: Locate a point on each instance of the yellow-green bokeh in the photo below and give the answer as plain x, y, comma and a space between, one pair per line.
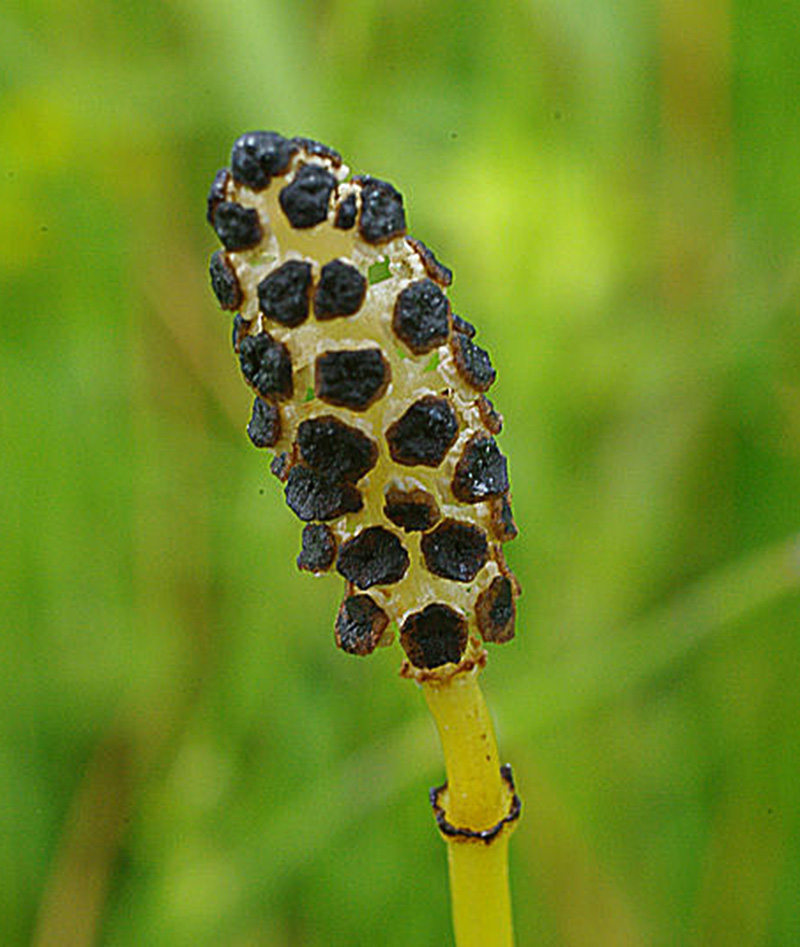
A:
185, 757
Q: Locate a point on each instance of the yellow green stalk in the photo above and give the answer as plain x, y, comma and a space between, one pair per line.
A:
476, 810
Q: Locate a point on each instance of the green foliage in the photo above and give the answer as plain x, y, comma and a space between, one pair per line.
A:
185, 757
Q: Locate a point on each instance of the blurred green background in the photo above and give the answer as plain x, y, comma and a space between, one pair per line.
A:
185, 757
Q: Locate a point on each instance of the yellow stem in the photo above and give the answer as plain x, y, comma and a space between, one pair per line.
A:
476, 799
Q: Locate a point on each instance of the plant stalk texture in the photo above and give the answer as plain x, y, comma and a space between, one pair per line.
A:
478, 799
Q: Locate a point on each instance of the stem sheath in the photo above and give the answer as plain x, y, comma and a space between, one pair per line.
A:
476, 799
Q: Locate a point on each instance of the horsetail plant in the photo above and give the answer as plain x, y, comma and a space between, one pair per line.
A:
371, 393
